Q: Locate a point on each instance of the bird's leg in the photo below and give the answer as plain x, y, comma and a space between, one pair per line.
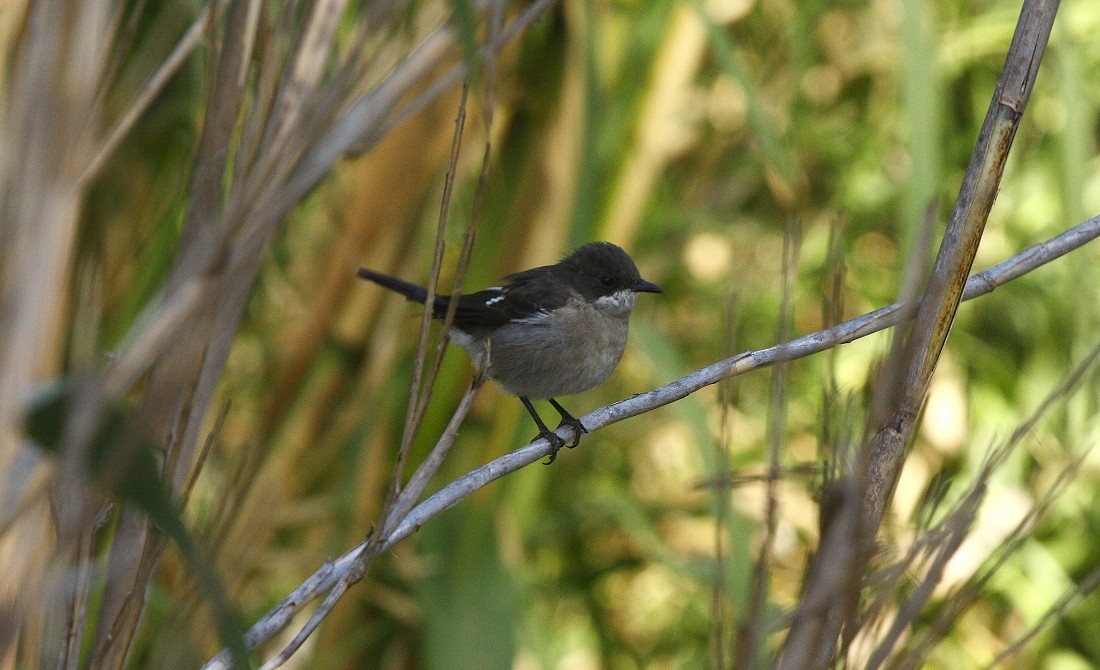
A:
555, 441
573, 422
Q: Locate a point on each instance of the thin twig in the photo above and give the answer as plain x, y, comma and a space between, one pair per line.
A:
963, 598
149, 92
367, 550
753, 623
153, 333
720, 485
1071, 597
400, 500
957, 526
419, 390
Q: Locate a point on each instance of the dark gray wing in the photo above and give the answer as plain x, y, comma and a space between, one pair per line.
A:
524, 294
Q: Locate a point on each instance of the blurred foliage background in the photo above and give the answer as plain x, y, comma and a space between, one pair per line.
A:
696, 134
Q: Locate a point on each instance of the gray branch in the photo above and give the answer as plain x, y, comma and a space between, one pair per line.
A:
332, 573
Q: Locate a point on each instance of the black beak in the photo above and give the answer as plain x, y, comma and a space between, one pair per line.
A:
643, 286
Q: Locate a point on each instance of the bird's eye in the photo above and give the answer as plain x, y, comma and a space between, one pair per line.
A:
606, 281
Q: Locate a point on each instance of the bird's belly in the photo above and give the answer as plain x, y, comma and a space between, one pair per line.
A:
539, 361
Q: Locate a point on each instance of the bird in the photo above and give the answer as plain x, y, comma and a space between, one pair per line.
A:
551, 331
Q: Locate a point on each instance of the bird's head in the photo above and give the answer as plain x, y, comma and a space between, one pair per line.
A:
606, 276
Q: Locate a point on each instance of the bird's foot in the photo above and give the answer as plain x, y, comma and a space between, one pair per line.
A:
573, 422
556, 443
578, 429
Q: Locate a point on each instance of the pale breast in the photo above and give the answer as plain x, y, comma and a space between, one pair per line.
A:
559, 354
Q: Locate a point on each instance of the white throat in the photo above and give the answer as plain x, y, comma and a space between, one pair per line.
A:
617, 304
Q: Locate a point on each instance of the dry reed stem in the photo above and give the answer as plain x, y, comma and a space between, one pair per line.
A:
293, 135
51, 124
366, 551
750, 636
148, 94
831, 581
720, 604
420, 390
961, 599
937, 307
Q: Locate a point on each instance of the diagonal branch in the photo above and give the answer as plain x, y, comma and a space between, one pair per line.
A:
329, 575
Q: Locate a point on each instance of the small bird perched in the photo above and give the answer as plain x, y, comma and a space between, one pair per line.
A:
549, 331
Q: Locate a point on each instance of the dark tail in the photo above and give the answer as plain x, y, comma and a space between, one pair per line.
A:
411, 291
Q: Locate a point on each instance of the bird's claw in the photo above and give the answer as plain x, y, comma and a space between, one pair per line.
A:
578, 430
556, 443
